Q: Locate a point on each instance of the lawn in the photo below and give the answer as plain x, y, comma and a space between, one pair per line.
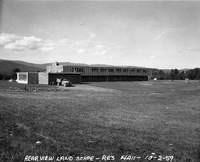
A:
101, 121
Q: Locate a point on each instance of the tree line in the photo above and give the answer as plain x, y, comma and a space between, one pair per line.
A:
175, 74
12, 75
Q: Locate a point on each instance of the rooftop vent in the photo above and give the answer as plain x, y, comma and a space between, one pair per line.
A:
55, 63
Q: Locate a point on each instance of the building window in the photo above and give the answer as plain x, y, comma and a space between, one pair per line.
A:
132, 70
94, 69
80, 69
125, 70
74, 69
22, 77
118, 70
111, 70
144, 70
103, 70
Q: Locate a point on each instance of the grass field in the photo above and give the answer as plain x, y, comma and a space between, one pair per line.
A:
102, 118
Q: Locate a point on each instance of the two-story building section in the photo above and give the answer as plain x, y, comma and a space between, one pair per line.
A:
111, 73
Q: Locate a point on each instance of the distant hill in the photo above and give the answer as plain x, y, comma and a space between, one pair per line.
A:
168, 70
7, 67
42, 67
185, 70
67, 63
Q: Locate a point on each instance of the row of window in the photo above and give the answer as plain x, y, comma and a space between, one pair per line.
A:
22, 77
118, 70
77, 69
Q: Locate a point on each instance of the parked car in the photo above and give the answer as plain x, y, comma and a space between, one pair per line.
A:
66, 83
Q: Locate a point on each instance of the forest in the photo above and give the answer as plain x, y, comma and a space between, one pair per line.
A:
175, 74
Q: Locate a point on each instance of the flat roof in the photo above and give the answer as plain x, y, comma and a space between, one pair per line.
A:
76, 73
99, 66
26, 72
52, 73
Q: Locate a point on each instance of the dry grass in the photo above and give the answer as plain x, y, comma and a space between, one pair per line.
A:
108, 118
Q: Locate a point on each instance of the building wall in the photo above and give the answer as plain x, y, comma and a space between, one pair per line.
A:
32, 78
43, 78
106, 71
72, 77
97, 78
27, 77
112, 73
22, 77
55, 69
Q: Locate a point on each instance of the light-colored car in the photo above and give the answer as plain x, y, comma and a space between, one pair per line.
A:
66, 83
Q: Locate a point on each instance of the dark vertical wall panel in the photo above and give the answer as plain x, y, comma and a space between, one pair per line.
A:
98, 78
74, 78
32, 78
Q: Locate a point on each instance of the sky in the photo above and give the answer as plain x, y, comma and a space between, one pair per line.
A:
153, 34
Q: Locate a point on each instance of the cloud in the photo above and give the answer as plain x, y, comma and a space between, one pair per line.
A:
152, 57
92, 35
110, 57
159, 35
81, 51
24, 43
47, 46
19, 43
193, 50
99, 47
63, 41
103, 52
7, 38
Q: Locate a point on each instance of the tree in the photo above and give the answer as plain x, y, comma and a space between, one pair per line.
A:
14, 75
7, 77
198, 75
154, 73
193, 74
182, 75
16, 70
167, 76
174, 74
161, 75
1, 77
